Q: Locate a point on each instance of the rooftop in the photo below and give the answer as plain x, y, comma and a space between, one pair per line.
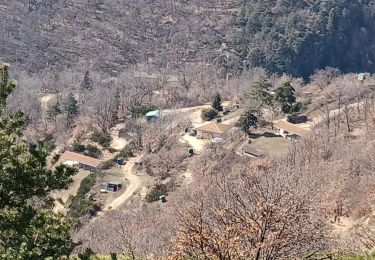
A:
214, 128
156, 113
292, 128
83, 159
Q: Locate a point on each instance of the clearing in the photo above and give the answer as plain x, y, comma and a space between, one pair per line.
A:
136, 184
70, 191
273, 146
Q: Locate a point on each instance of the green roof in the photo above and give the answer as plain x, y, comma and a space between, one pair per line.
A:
361, 76
155, 113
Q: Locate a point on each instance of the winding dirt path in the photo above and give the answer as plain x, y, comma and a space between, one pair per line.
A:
136, 183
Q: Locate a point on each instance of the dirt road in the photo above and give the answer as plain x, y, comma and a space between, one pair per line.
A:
117, 143
136, 183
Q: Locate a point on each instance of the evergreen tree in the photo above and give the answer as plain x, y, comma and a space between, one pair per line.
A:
216, 103
70, 107
259, 96
246, 121
87, 81
54, 111
285, 96
28, 229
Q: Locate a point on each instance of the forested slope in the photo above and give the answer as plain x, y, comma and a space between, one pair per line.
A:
293, 36
297, 36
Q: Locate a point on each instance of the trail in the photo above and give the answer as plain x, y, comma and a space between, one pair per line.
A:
117, 143
135, 184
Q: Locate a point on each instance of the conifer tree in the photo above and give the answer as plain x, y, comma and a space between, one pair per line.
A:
28, 229
217, 103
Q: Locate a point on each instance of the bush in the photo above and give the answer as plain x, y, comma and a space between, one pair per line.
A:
55, 158
79, 205
108, 164
49, 144
101, 138
111, 150
78, 147
296, 107
156, 192
126, 153
208, 114
143, 110
93, 151
296, 119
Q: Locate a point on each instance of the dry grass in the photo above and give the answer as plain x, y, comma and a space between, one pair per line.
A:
273, 146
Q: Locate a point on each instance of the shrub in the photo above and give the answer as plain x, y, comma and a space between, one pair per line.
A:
208, 114
126, 153
79, 205
49, 144
143, 110
108, 164
156, 192
55, 158
111, 150
101, 138
78, 147
296, 119
296, 107
93, 151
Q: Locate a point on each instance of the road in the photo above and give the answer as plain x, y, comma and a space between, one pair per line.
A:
117, 143
136, 183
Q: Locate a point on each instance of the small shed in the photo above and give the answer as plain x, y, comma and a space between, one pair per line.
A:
154, 115
163, 199
251, 151
361, 76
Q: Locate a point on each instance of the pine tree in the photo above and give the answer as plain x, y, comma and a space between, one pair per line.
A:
54, 111
286, 98
259, 95
216, 103
87, 81
28, 229
246, 121
70, 107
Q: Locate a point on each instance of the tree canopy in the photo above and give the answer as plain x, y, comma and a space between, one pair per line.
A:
297, 37
28, 230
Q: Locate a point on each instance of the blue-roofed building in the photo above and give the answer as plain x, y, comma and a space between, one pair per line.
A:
152, 116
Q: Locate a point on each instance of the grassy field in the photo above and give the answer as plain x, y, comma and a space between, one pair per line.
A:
273, 146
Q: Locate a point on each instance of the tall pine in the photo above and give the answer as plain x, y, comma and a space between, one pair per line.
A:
28, 227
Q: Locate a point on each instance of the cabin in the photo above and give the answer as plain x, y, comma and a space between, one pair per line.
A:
291, 131
213, 130
251, 151
81, 161
153, 116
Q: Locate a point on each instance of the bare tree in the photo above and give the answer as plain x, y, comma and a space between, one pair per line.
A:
132, 93
252, 216
102, 105
322, 78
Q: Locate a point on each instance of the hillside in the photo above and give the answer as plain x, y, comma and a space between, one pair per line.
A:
295, 37
110, 35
